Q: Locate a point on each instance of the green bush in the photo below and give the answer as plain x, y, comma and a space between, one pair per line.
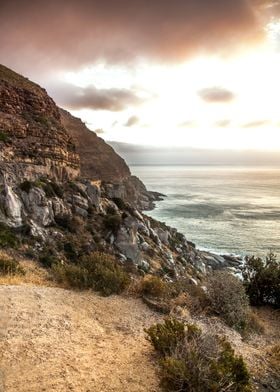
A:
262, 280
3, 137
10, 267
195, 362
8, 238
166, 337
228, 299
73, 275
47, 258
98, 271
106, 274
50, 188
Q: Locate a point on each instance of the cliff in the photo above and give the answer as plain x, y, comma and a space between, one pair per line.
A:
33, 141
98, 159
64, 187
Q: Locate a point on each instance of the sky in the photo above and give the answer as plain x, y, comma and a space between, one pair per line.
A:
183, 74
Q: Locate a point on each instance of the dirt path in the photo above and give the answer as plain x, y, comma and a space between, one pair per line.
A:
57, 340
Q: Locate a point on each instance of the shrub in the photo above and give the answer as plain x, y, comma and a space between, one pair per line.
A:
196, 300
262, 280
8, 238
3, 137
153, 286
98, 271
112, 222
119, 203
106, 275
228, 299
72, 224
73, 275
167, 336
47, 258
10, 267
195, 362
26, 186
50, 188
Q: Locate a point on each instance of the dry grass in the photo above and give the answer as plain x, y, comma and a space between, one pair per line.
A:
34, 274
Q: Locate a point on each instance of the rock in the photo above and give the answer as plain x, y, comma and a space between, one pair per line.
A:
126, 242
13, 206
163, 235
145, 246
36, 143
144, 265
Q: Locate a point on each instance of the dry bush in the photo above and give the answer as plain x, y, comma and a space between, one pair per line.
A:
10, 267
228, 299
153, 286
273, 356
254, 324
195, 362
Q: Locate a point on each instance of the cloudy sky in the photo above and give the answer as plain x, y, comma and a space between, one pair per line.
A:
202, 74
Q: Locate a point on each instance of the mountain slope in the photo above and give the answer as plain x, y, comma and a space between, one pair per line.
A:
33, 141
98, 159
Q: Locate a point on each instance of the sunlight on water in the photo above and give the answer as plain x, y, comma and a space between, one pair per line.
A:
224, 209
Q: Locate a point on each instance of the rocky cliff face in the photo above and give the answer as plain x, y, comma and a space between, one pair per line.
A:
99, 161
33, 141
47, 201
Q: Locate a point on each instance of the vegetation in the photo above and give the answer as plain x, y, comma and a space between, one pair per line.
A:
153, 286
262, 280
3, 137
228, 299
10, 267
195, 362
50, 188
112, 222
98, 271
8, 238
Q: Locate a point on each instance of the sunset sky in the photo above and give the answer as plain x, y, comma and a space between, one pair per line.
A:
194, 73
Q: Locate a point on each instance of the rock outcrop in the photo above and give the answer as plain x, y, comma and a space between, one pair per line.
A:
33, 141
99, 161
67, 189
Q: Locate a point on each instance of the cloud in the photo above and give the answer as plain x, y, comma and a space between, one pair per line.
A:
256, 124
216, 95
59, 34
113, 99
223, 123
186, 124
132, 121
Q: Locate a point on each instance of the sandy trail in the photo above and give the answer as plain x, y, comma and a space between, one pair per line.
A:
53, 339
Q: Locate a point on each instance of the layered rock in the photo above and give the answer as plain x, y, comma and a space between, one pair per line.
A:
33, 141
99, 161
41, 193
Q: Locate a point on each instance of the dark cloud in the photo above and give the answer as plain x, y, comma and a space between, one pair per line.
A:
66, 34
112, 99
132, 121
256, 124
216, 95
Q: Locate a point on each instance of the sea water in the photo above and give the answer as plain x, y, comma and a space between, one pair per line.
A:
224, 209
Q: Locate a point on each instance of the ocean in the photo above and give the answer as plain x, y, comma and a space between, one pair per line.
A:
223, 209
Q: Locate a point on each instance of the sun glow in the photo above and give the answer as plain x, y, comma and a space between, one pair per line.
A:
173, 112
